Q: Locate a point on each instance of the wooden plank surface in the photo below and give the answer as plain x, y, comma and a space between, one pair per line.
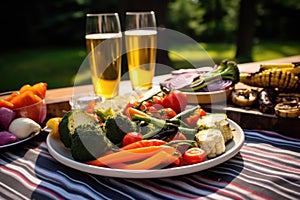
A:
58, 103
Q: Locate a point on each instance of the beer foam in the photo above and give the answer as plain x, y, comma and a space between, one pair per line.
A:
140, 32
103, 36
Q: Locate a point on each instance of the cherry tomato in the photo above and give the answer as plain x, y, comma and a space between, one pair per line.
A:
194, 155
130, 104
131, 137
90, 108
192, 120
157, 100
176, 100
167, 113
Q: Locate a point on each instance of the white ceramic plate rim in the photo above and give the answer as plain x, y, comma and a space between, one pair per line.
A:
57, 150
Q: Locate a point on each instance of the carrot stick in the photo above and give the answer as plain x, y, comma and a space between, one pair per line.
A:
160, 158
144, 143
133, 111
130, 155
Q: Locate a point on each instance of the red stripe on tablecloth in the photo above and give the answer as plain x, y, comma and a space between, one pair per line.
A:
227, 193
271, 163
27, 181
275, 155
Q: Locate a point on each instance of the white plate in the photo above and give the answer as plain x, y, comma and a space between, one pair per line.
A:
63, 155
20, 141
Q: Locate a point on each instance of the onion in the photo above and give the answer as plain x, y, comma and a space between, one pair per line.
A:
180, 81
218, 85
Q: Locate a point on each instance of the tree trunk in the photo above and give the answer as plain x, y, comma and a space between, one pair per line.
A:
246, 30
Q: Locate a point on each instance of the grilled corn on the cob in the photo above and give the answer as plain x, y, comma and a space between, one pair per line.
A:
211, 141
291, 67
275, 78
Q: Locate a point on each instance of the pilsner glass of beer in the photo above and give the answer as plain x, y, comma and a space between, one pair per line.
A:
104, 47
140, 39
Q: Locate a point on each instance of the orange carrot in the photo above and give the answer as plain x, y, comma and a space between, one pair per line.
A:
130, 155
6, 104
133, 111
12, 95
144, 143
160, 158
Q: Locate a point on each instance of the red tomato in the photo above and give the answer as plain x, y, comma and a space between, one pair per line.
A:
90, 108
192, 120
131, 137
164, 113
194, 155
157, 100
130, 104
176, 100
167, 113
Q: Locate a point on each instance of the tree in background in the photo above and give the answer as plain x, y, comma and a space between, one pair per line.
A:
246, 30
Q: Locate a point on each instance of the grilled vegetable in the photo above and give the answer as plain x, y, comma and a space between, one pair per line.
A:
244, 97
216, 121
211, 141
275, 78
89, 142
266, 100
117, 126
291, 67
266, 66
289, 109
69, 122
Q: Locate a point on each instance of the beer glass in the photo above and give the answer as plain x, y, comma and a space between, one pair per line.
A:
140, 40
104, 47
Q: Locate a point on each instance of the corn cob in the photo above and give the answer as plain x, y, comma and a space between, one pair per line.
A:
266, 66
282, 66
275, 78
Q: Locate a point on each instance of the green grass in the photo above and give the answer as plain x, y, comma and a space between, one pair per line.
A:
55, 66
58, 66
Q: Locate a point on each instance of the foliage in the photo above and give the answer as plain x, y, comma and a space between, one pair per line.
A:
59, 66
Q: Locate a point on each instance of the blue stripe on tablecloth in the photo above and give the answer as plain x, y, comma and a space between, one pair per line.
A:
267, 167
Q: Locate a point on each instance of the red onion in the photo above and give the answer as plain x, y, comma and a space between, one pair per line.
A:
180, 81
218, 85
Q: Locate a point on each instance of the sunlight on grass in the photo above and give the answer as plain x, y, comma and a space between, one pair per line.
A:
59, 66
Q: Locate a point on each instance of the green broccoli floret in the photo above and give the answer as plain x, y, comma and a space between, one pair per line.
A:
104, 114
117, 126
228, 70
89, 142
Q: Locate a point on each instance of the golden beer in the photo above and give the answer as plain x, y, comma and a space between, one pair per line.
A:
105, 62
141, 56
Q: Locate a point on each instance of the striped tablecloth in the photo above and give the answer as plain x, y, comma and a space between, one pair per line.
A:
267, 167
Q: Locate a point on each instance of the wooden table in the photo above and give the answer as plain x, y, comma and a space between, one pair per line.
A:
58, 103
